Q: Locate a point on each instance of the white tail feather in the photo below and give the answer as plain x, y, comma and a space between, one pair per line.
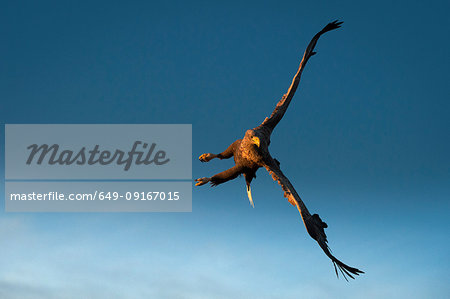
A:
249, 193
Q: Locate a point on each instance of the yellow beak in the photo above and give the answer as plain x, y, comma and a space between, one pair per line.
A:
255, 140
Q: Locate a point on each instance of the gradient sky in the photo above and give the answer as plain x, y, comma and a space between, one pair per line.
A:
365, 142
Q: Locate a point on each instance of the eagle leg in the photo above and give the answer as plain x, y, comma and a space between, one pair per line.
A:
226, 154
222, 177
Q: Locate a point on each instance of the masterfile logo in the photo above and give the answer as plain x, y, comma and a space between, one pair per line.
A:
116, 168
53, 156
144, 151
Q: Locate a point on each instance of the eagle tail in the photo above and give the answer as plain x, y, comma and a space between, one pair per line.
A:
249, 193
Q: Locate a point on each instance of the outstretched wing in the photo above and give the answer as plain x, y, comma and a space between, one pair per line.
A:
277, 114
314, 225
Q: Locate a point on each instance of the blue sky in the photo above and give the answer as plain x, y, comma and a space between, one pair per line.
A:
365, 142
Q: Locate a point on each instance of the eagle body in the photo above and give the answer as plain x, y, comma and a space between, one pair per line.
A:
250, 154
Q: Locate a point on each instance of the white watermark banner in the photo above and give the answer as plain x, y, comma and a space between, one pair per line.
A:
98, 168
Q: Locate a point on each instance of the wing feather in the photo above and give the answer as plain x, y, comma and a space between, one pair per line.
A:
314, 225
283, 104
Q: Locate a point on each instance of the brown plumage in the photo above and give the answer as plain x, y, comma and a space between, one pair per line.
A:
252, 152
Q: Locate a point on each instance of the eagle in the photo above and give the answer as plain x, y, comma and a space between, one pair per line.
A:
252, 152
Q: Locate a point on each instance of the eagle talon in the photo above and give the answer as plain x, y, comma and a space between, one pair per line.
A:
202, 181
206, 157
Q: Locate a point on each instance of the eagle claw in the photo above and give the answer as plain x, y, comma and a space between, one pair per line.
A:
202, 181
206, 157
